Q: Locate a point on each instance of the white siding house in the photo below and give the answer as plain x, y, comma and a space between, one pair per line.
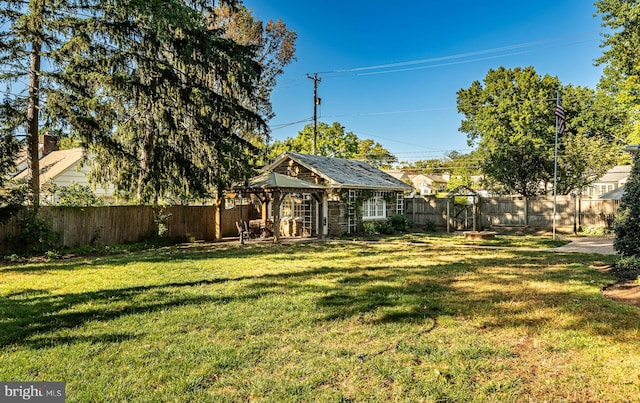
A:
63, 168
615, 178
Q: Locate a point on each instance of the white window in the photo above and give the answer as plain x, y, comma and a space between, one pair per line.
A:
374, 208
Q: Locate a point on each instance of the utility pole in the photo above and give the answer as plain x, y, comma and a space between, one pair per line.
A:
316, 102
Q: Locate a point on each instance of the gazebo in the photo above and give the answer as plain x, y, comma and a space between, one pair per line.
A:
272, 186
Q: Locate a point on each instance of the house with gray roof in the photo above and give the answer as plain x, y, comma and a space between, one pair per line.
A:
354, 192
615, 178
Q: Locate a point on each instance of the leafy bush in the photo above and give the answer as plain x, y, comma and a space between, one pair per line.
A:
385, 228
161, 219
377, 227
430, 226
370, 227
12, 258
629, 263
37, 234
74, 195
51, 254
398, 222
12, 201
627, 222
598, 230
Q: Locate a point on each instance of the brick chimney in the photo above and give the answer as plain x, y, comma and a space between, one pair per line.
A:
48, 144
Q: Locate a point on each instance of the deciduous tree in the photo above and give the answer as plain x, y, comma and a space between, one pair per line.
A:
621, 59
510, 117
333, 141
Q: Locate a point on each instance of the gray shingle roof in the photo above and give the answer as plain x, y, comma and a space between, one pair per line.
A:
273, 180
342, 173
615, 194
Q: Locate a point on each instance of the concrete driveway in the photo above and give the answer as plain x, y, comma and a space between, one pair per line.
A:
591, 244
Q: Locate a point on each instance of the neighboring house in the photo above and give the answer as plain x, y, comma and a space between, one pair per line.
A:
354, 192
426, 184
46, 145
62, 168
398, 174
615, 178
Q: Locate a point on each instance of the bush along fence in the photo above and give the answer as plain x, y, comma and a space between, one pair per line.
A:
111, 225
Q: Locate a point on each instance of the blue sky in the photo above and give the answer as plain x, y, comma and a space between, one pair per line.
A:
410, 108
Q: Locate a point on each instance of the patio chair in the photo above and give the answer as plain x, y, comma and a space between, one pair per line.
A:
243, 231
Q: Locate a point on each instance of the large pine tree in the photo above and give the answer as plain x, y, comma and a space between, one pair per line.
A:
163, 98
30, 30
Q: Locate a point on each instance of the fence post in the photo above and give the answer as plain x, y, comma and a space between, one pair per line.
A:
448, 216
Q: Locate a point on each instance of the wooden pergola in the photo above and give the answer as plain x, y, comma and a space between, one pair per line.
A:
272, 186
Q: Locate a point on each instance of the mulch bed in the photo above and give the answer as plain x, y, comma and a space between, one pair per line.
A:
626, 289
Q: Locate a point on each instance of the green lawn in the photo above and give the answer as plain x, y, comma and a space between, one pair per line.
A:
336, 321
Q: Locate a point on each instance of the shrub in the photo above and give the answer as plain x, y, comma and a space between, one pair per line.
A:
370, 227
629, 263
398, 222
161, 219
385, 228
37, 234
377, 227
51, 254
596, 231
430, 226
627, 221
74, 195
12, 201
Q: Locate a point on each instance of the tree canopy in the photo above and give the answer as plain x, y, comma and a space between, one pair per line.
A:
460, 167
333, 141
166, 93
29, 32
510, 117
621, 58
10, 200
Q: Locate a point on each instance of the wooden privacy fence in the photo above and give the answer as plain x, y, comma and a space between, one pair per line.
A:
496, 212
122, 224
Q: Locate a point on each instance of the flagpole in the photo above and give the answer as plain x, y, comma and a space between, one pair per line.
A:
555, 167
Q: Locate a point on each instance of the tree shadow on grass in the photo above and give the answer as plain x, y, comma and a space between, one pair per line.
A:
48, 341
395, 290
525, 290
32, 313
268, 253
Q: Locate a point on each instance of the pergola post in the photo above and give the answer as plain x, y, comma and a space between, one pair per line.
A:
448, 214
320, 199
218, 217
277, 201
263, 208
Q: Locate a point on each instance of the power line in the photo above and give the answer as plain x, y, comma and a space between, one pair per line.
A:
461, 55
283, 125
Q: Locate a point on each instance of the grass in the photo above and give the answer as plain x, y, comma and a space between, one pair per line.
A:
451, 239
338, 321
